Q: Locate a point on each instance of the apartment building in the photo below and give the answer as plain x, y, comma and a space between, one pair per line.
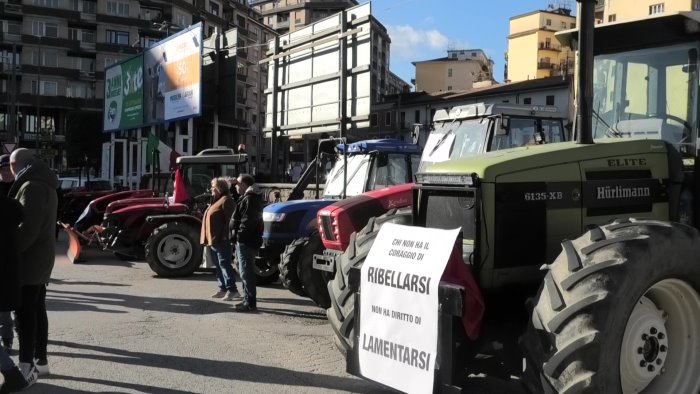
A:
459, 70
54, 53
608, 11
533, 51
286, 16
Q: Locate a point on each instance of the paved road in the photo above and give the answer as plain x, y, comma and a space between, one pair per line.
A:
114, 327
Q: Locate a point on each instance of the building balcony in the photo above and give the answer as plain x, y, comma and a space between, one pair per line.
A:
117, 48
72, 45
545, 65
241, 100
546, 46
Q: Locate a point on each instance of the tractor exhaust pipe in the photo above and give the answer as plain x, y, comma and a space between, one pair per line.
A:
584, 97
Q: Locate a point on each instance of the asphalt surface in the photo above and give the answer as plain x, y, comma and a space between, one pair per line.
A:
115, 328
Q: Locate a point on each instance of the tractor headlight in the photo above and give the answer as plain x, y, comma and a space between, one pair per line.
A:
446, 179
273, 217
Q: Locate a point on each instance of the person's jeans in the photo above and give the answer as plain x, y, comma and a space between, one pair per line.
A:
6, 362
6, 325
246, 267
220, 256
32, 323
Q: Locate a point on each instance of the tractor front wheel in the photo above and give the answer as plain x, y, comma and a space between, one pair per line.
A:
619, 312
173, 249
313, 281
288, 266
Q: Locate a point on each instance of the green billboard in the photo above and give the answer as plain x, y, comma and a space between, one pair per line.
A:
123, 105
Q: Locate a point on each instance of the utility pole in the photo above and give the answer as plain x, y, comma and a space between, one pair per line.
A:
275, 123
13, 97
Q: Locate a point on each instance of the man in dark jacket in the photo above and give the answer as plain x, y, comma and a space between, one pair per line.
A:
11, 213
247, 227
6, 323
35, 189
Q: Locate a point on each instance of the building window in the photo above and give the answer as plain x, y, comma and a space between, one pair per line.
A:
449, 73
48, 88
214, 8
402, 120
182, 20
118, 37
89, 6
449, 87
612, 18
44, 29
549, 100
374, 120
49, 59
109, 61
656, 9
46, 3
527, 100
563, 25
548, 22
387, 119
88, 36
14, 28
73, 34
117, 8
416, 116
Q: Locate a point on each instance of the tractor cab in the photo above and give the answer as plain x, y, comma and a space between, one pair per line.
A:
196, 172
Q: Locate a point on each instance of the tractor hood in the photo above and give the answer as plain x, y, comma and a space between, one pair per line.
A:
153, 209
297, 205
488, 167
132, 202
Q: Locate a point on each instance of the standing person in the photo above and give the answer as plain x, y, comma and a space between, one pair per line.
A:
11, 213
247, 227
35, 189
215, 234
6, 324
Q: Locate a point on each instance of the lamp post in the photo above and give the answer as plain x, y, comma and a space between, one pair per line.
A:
38, 101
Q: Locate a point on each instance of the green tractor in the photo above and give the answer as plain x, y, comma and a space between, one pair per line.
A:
586, 253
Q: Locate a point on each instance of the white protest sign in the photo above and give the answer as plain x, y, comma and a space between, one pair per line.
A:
399, 305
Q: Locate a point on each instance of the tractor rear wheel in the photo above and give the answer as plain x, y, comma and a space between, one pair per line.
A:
288, 266
341, 314
173, 249
313, 281
619, 312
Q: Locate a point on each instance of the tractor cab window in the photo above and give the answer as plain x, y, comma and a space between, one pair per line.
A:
389, 170
197, 178
456, 139
358, 167
648, 93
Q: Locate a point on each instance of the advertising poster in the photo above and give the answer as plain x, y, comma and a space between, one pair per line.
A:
124, 95
173, 77
399, 306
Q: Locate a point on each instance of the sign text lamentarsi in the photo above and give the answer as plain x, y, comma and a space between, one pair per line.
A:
399, 305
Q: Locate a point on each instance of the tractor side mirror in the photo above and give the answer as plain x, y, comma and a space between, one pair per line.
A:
504, 126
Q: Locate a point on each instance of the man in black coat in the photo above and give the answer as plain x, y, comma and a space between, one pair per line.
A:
247, 227
7, 178
11, 214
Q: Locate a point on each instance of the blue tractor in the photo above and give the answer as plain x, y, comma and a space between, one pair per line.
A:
290, 235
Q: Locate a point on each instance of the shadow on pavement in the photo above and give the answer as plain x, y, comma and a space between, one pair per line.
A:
45, 385
77, 282
217, 369
63, 300
287, 301
294, 313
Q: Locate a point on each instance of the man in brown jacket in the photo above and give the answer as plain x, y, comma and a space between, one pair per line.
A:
215, 234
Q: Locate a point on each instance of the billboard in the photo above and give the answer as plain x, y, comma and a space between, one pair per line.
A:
172, 77
309, 75
123, 104
159, 85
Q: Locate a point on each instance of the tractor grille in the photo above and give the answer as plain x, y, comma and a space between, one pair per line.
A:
452, 210
327, 228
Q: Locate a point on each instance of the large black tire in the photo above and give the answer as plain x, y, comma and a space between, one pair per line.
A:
173, 250
313, 281
288, 266
341, 314
611, 308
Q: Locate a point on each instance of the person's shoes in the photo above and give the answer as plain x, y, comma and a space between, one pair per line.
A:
42, 366
219, 294
232, 295
29, 373
243, 307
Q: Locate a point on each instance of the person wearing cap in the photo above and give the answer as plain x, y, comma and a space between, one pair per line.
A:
35, 189
7, 178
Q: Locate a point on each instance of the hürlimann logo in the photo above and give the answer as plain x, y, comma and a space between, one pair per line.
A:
615, 192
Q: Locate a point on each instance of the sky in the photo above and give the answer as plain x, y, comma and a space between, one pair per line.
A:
425, 29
